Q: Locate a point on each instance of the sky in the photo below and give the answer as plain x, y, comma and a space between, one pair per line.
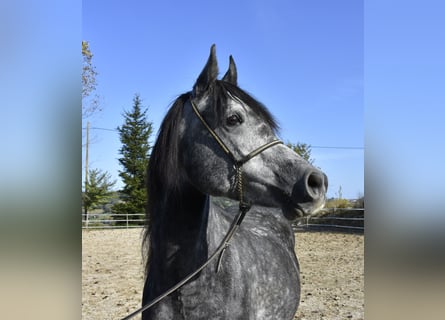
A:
302, 59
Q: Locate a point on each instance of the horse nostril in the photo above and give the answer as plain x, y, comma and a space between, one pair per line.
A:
316, 184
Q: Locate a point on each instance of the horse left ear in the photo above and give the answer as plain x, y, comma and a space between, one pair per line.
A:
208, 74
231, 75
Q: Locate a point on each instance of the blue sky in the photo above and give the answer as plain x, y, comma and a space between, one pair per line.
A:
302, 59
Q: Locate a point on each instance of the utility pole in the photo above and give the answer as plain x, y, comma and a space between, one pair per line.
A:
86, 168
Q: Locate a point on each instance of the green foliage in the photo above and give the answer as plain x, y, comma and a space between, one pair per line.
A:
134, 135
89, 72
302, 149
97, 189
338, 203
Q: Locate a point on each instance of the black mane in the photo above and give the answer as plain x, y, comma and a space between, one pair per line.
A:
164, 177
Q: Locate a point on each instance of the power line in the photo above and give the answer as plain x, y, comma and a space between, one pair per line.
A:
328, 147
312, 147
105, 129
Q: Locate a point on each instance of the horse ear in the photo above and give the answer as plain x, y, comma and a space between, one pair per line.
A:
208, 74
231, 75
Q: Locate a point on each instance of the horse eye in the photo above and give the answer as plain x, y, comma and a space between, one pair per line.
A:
233, 120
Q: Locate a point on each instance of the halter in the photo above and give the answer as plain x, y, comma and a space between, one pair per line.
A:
244, 207
237, 163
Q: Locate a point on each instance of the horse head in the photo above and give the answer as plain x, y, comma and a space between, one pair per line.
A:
276, 176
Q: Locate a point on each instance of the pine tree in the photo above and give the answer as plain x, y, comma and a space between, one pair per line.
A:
97, 190
134, 135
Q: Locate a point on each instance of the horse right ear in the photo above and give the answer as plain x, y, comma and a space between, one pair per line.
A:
208, 74
231, 75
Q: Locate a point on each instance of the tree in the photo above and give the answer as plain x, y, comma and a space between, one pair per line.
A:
134, 135
97, 190
90, 105
303, 150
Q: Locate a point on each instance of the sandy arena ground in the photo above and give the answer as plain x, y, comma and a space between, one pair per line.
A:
331, 265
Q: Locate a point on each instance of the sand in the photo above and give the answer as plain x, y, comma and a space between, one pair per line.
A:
332, 274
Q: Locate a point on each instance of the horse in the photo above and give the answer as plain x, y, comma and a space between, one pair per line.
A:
203, 150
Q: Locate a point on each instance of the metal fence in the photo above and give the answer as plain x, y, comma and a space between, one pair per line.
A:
109, 221
329, 221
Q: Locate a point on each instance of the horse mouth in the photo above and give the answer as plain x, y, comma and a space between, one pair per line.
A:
296, 211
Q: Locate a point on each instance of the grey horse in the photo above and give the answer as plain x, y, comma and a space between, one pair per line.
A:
258, 275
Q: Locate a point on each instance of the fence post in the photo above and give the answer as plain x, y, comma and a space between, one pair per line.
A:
127, 218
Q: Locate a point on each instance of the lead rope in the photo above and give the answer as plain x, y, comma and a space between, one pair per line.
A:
243, 209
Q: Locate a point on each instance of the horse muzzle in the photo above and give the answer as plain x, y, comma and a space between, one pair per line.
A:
308, 195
